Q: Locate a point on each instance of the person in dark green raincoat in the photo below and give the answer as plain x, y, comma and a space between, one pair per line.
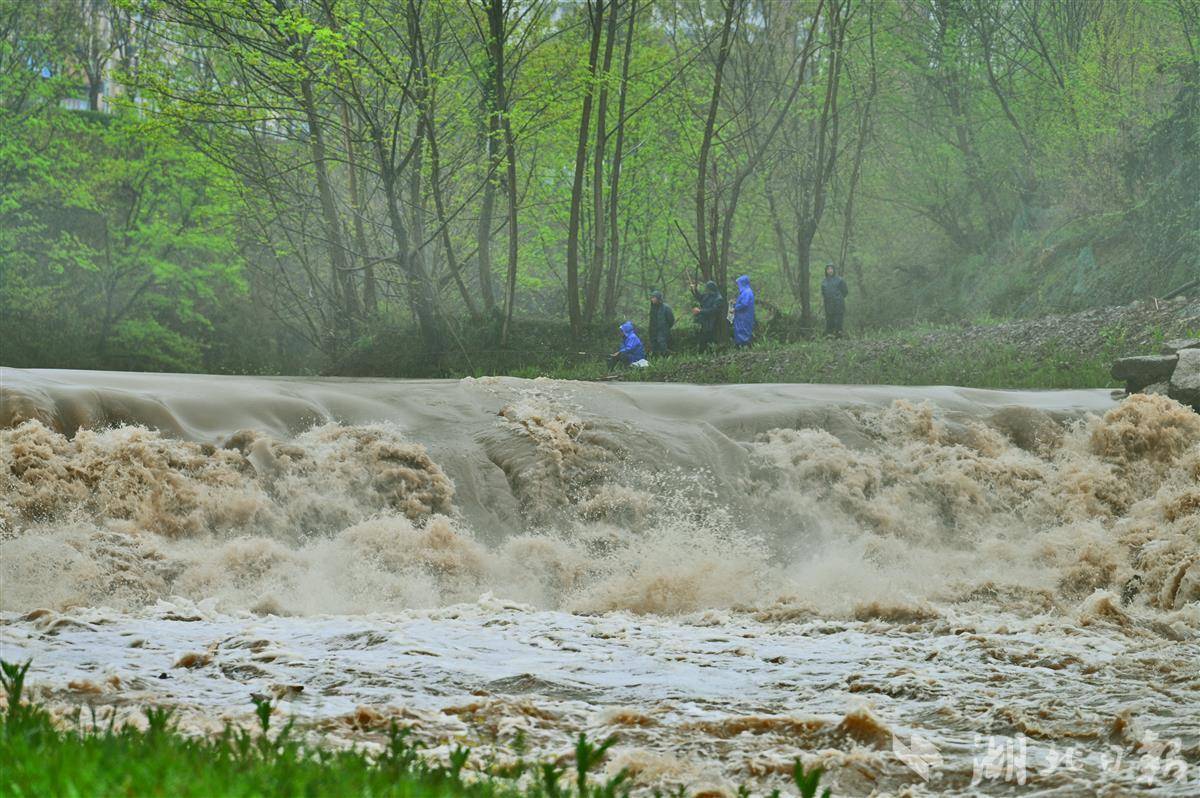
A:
662, 319
833, 293
707, 312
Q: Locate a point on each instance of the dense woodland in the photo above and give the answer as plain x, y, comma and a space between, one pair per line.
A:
297, 185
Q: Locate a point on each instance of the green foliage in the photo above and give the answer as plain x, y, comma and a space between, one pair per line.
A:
267, 186
809, 782
118, 244
12, 681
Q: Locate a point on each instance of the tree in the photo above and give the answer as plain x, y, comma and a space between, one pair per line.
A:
502, 22
135, 241
811, 151
960, 156
595, 10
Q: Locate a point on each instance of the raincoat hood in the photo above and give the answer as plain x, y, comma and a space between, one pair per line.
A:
656, 295
743, 281
632, 349
710, 286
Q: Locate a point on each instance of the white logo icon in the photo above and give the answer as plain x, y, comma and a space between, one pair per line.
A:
920, 755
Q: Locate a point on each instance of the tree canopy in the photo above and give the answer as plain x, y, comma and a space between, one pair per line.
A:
267, 184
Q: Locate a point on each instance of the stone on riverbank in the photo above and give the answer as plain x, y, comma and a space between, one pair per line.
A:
1138, 372
1185, 381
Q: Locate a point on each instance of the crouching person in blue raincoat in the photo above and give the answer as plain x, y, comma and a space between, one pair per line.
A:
631, 353
743, 313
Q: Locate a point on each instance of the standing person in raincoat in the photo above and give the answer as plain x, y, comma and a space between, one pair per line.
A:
743, 313
706, 314
833, 292
662, 319
631, 353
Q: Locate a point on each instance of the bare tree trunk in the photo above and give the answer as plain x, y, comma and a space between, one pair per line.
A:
825, 139
422, 291
595, 11
596, 269
802, 288
95, 83
94, 50
948, 82
496, 24
785, 266
710, 123
501, 19
370, 300
610, 286
722, 244
333, 228
483, 235
493, 93
424, 99
865, 125
416, 201
439, 208
510, 282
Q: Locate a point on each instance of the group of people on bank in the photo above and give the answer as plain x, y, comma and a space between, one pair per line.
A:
707, 309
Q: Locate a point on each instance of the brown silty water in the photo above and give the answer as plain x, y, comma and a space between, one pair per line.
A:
925, 591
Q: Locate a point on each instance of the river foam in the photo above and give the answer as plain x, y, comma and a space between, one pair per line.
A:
726, 577
908, 505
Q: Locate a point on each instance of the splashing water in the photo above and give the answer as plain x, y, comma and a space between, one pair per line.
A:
727, 577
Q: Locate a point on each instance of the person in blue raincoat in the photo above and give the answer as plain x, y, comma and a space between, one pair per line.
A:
743, 313
631, 353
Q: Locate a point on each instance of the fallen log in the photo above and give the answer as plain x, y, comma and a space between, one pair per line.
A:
1183, 289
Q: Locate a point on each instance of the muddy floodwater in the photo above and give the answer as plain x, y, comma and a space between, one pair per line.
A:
926, 591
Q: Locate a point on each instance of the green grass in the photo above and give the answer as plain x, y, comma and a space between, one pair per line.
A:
38, 758
909, 359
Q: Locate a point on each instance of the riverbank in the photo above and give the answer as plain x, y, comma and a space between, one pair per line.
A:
1059, 352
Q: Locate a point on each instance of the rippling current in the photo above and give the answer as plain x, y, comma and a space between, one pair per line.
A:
924, 591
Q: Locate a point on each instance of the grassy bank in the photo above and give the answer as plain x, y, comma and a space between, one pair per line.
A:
889, 362
1072, 351
925, 356
38, 758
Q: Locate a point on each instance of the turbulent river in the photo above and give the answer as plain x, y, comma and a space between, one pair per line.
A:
925, 591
